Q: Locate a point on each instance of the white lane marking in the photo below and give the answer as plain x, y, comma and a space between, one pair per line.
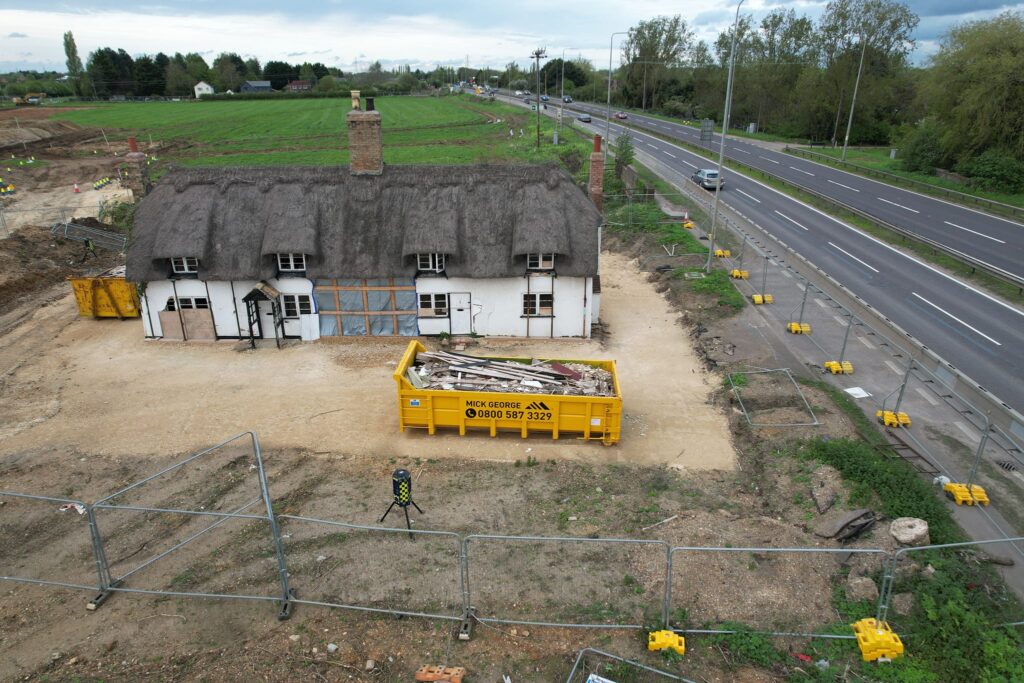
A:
846, 186
926, 396
791, 220
979, 234
671, 155
651, 146
748, 196
842, 323
688, 163
820, 302
865, 342
882, 199
802, 171
892, 366
742, 150
767, 159
866, 265
942, 310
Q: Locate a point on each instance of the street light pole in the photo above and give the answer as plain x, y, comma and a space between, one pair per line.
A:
725, 130
853, 103
608, 113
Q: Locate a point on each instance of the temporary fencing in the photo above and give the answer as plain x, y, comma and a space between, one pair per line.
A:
596, 666
226, 541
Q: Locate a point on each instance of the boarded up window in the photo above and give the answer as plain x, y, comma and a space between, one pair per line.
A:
375, 307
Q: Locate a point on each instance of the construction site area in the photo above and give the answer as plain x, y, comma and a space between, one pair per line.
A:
699, 479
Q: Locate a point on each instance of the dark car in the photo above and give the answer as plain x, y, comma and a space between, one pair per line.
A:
527, 100
585, 118
567, 99
621, 115
544, 98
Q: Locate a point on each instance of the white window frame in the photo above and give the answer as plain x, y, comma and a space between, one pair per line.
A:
430, 263
437, 308
291, 263
184, 265
533, 305
540, 261
188, 303
302, 304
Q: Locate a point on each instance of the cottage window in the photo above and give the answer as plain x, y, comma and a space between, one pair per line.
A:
291, 263
188, 303
433, 306
296, 305
538, 305
185, 264
433, 263
540, 261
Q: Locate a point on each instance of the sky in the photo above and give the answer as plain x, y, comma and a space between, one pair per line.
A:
351, 35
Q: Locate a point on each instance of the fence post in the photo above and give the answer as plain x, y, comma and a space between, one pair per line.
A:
846, 337
903, 387
668, 586
102, 567
764, 275
803, 302
885, 591
3, 223
977, 458
285, 606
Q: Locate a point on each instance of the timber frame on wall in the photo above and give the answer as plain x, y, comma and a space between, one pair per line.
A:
263, 292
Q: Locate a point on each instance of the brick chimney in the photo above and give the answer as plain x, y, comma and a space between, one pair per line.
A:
136, 172
364, 138
596, 184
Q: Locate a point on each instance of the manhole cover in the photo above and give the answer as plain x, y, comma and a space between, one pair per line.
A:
1008, 466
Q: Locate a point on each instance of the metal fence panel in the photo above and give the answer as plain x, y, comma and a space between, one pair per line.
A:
595, 666
590, 582
394, 571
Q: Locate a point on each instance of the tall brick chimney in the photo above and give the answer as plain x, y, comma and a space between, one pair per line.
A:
596, 184
365, 148
136, 172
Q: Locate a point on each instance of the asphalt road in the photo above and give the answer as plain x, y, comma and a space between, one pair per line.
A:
975, 331
998, 242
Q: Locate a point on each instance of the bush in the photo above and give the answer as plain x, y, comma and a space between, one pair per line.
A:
922, 151
994, 169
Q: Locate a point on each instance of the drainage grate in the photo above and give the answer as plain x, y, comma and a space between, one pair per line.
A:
1008, 466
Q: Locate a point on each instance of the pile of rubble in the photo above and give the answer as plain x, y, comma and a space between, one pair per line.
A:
452, 371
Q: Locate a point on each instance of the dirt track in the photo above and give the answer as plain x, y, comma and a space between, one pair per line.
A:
98, 385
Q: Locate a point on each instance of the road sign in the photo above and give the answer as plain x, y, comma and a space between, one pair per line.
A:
707, 130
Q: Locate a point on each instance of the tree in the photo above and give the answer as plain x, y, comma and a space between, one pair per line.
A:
197, 67
307, 73
253, 71
327, 84
279, 73
177, 80
624, 153
111, 72
74, 63
228, 71
650, 49
150, 79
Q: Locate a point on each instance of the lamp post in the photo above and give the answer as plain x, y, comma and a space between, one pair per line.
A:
608, 113
856, 85
725, 130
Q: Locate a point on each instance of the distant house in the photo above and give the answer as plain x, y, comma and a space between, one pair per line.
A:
202, 88
256, 86
299, 86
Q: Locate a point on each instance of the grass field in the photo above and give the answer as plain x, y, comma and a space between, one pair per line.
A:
417, 130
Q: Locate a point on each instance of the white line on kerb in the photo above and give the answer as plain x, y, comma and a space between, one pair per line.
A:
942, 310
840, 321
748, 196
671, 154
892, 366
802, 171
846, 186
882, 199
926, 396
791, 220
866, 343
767, 159
853, 257
974, 232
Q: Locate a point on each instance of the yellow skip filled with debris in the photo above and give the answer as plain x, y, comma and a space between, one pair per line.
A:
563, 398
107, 295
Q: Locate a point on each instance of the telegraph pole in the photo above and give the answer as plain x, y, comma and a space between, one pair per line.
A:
537, 55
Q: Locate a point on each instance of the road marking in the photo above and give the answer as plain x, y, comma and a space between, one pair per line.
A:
882, 199
974, 232
800, 287
785, 273
842, 323
767, 159
971, 434
820, 302
854, 257
926, 395
651, 146
671, 155
865, 342
892, 366
742, 150
802, 171
687, 163
748, 196
846, 186
791, 220
942, 310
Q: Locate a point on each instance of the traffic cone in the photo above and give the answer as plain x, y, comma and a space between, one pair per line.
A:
77, 191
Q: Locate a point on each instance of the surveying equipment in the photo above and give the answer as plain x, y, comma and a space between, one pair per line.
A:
401, 490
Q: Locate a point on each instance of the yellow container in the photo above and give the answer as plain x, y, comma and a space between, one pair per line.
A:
106, 295
597, 418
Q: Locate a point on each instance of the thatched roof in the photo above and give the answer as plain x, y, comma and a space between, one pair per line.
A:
486, 218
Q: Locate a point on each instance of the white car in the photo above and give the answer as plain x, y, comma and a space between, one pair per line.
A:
519, 93
708, 178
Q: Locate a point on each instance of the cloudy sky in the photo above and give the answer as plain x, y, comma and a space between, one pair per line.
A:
350, 34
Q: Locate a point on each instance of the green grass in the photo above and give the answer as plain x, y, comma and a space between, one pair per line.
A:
877, 158
716, 283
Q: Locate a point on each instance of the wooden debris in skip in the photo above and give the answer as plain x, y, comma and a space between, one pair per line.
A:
452, 371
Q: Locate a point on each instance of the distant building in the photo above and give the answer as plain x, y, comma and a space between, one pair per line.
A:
299, 86
256, 86
202, 88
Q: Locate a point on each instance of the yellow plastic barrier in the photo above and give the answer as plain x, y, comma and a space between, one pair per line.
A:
737, 274
723, 253
798, 328
877, 641
662, 640
688, 225
893, 419
107, 295
960, 494
597, 418
837, 368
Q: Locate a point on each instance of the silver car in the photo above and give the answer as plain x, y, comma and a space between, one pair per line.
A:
708, 178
